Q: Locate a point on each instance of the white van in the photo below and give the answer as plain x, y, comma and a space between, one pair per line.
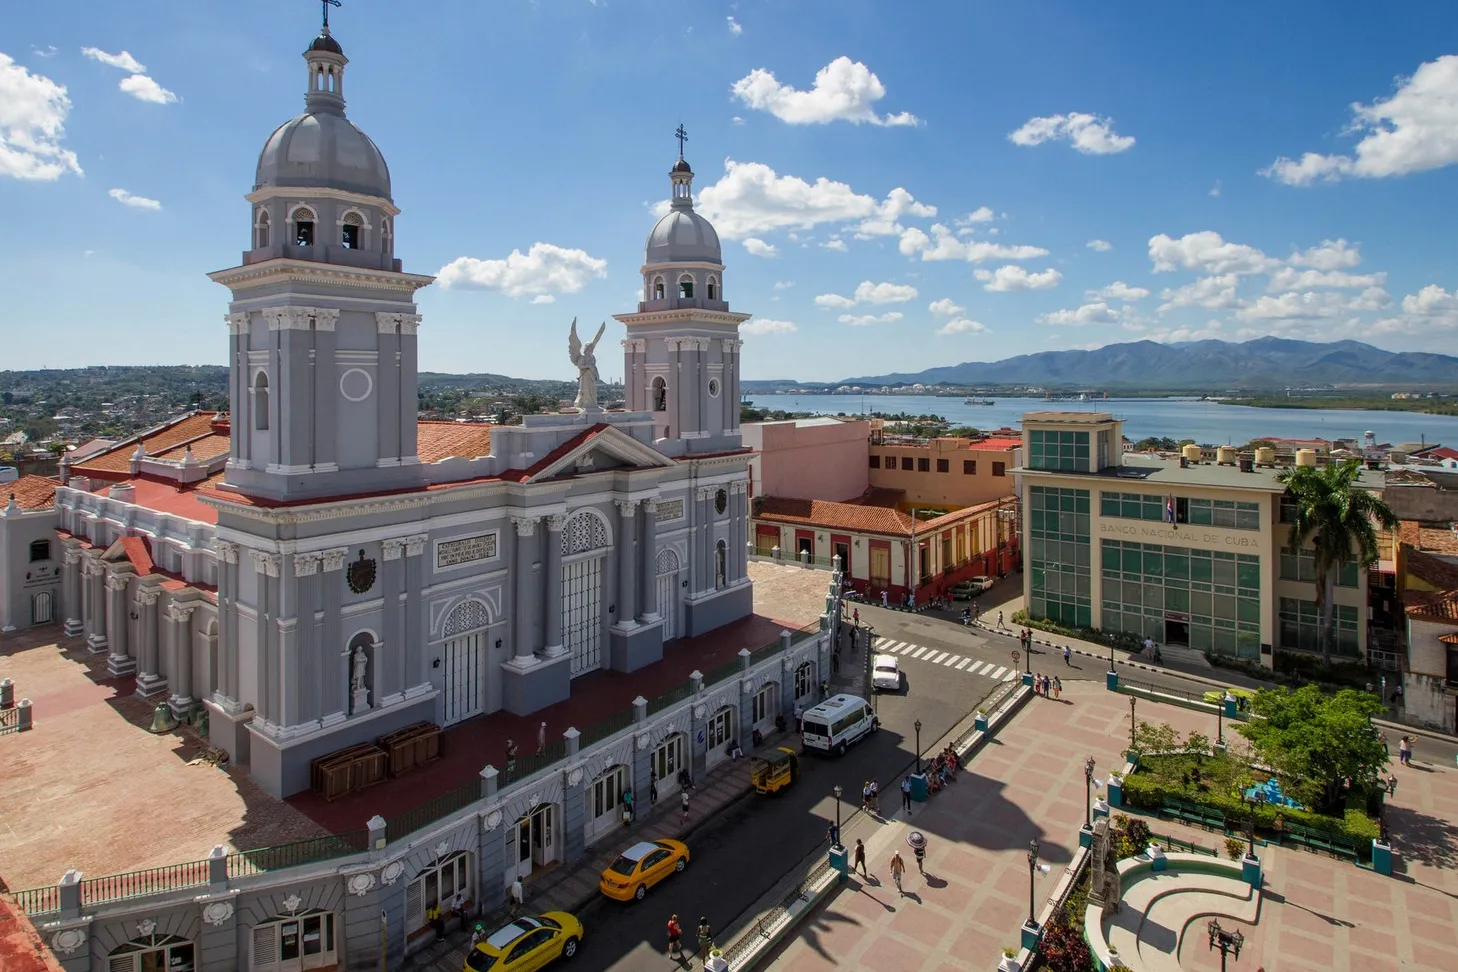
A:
836, 723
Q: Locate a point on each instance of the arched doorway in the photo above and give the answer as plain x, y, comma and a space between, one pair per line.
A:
436, 885
804, 682
463, 660
605, 800
670, 605
291, 943
764, 707
532, 841
585, 542
667, 758
153, 953
41, 608
718, 732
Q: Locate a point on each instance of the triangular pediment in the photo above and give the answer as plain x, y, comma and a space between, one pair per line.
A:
601, 449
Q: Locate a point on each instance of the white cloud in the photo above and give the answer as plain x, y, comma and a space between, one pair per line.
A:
48, 51
943, 244
1287, 278
543, 269
836, 245
737, 120
1215, 189
1211, 293
1089, 134
784, 284
1102, 246
135, 202
844, 90
945, 307
33, 111
863, 320
884, 293
1010, 278
124, 61
1206, 252
1313, 305
1412, 131
1431, 308
1119, 290
898, 203
962, 325
834, 300
982, 214
1211, 330
1330, 255
544, 299
763, 325
760, 248
143, 88
1096, 312
735, 27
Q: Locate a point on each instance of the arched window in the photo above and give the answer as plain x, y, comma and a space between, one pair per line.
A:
438, 884
153, 953
686, 287
660, 395
385, 237
260, 230
260, 402
303, 226
713, 291
308, 939
657, 288
721, 564
351, 235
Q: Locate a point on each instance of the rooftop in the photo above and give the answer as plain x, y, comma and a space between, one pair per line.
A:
996, 445
201, 429
1140, 468
873, 513
30, 492
1066, 418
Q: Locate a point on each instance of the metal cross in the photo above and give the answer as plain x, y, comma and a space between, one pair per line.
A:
681, 135
327, 4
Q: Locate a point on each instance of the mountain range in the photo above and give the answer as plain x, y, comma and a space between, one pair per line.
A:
1264, 363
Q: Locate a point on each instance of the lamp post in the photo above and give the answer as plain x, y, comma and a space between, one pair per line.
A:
838, 792
1220, 720
911, 565
1132, 700
1254, 799
917, 727
1032, 874
1088, 771
1229, 942
1111, 657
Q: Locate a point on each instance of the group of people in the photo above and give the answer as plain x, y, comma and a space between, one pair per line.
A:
675, 938
1046, 686
942, 770
455, 906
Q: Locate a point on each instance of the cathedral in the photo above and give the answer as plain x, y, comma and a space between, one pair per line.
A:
317, 567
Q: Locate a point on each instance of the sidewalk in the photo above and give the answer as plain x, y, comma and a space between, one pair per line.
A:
567, 887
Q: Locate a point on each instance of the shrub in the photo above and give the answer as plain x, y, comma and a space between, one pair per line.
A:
1234, 848
1064, 950
1125, 640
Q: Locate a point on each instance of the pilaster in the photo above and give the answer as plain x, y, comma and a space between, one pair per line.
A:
552, 587
96, 641
335, 691
522, 569
118, 663
627, 568
150, 680
648, 563
71, 588
179, 634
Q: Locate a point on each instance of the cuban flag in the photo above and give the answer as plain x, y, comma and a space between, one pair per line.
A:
1169, 509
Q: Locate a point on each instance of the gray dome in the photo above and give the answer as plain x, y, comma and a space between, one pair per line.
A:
319, 150
683, 236
325, 42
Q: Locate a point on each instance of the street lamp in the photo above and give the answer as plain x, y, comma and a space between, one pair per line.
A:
1253, 800
917, 727
1132, 700
1228, 942
838, 792
1220, 719
1033, 868
1088, 771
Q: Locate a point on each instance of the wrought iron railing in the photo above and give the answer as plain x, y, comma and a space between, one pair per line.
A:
9, 719
665, 699
426, 814
136, 884
764, 929
313, 850
726, 671
600, 730
38, 901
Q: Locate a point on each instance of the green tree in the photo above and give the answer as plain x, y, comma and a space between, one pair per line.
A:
1340, 519
1315, 742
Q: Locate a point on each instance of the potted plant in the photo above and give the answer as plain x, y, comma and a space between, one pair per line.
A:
1009, 961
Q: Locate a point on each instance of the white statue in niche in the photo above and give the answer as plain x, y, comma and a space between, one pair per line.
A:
359, 692
587, 376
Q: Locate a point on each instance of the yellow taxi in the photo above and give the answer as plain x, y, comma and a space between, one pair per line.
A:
526, 944
641, 866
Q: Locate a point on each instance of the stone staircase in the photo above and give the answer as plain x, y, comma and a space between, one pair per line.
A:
1160, 907
1188, 657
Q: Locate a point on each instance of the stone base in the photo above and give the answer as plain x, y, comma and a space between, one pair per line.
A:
96, 644
181, 706
1250, 871
636, 647
713, 609
1031, 934
119, 665
1085, 837
227, 730
535, 685
73, 627
149, 684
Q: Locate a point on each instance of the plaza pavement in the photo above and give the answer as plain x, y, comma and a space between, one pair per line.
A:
1319, 914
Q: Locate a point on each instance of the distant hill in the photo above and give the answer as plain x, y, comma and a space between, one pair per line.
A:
1266, 362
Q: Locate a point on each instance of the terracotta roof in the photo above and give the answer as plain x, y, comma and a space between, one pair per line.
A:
208, 447
996, 445
1431, 606
1438, 540
1450, 638
435, 441
1410, 533
30, 492
165, 496
1440, 574
854, 517
117, 460
522, 475
21, 947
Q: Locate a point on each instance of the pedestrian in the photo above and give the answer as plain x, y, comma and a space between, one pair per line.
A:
917, 840
976, 612
510, 760
885, 597
515, 895
1392, 785
436, 921
706, 936
859, 860
1057, 687
477, 934
542, 739
1404, 751
799, 711
675, 938
627, 807
856, 617
866, 795
906, 794
1067, 655
653, 788
875, 798
999, 621
683, 802
898, 868
1038, 684
835, 661
1382, 738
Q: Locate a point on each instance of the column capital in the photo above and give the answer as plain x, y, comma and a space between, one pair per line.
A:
301, 318
525, 525
70, 556
237, 323
306, 564
732, 345
415, 546
626, 507
393, 549
635, 345
93, 568
334, 559
706, 492
701, 343
387, 321
227, 551
117, 582
147, 596
556, 522
180, 612
650, 506
266, 563
739, 487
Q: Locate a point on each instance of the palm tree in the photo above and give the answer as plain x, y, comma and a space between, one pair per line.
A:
1340, 519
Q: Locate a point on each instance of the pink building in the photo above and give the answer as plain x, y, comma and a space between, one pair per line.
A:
820, 458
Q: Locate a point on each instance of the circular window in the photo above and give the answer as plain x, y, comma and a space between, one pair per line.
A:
356, 384
721, 501
713, 387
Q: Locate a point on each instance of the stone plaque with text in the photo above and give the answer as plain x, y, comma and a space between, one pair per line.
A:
453, 553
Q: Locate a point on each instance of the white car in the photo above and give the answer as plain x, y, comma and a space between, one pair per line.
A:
885, 673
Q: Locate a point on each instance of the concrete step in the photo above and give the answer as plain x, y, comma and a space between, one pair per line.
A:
1174, 654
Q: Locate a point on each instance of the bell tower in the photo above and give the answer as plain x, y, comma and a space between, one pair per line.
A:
322, 325
681, 355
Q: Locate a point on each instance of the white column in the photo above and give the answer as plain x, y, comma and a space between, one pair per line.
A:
648, 564
71, 565
179, 617
149, 681
96, 606
118, 663
552, 587
627, 567
526, 528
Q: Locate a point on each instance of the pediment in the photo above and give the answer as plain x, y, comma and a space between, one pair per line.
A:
603, 449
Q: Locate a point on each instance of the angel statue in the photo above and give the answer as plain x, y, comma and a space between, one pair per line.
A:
586, 362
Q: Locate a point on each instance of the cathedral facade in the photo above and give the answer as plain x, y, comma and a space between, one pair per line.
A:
318, 568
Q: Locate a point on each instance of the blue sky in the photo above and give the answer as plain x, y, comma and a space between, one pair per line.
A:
897, 186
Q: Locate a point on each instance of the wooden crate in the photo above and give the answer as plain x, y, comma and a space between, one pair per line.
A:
347, 770
412, 746
370, 767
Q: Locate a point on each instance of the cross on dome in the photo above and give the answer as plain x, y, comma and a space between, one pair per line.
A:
681, 135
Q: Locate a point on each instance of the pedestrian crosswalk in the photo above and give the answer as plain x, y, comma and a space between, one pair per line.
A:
934, 656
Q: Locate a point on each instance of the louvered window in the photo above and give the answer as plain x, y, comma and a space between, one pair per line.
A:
265, 945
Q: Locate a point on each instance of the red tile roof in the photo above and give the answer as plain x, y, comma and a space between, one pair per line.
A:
115, 463
204, 449
139, 552
1431, 606
167, 497
996, 445
30, 492
854, 517
442, 440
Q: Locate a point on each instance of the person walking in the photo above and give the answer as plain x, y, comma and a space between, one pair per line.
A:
917, 840
706, 936
683, 802
542, 739
1382, 738
515, 896
627, 807
1068, 656
653, 788
1404, 751
906, 794
1057, 687
856, 617
999, 621
885, 598
898, 869
875, 801
866, 796
675, 938
859, 859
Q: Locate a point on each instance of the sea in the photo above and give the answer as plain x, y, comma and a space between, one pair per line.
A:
1208, 423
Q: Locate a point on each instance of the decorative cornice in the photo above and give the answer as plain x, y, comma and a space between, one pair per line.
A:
180, 612
117, 582
322, 192
393, 548
147, 596
301, 318
237, 323
285, 271
525, 525
334, 559
387, 321
227, 550
306, 564
266, 563
556, 522
683, 315
626, 507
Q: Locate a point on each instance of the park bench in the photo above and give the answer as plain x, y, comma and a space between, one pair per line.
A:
1320, 840
1193, 813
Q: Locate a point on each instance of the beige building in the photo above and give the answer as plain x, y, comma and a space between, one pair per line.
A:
943, 473
1183, 551
1428, 571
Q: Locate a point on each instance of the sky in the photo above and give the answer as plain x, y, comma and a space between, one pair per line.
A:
897, 186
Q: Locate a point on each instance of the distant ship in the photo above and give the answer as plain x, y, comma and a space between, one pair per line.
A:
978, 401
